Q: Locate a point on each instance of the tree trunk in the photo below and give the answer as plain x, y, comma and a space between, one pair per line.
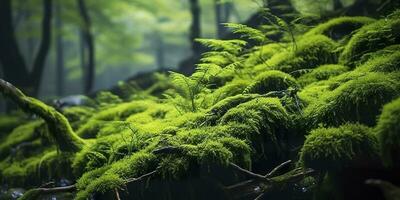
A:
59, 52
218, 18
88, 38
160, 52
195, 28
40, 59
13, 64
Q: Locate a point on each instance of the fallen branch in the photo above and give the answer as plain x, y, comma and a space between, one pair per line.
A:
259, 185
59, 127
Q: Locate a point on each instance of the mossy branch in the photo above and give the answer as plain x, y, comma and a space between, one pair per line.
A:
59, 127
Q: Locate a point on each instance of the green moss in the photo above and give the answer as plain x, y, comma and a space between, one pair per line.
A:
78, 115
30, 195
9, 122
323, 72
211, 152
229, 89
105, 183
389, 62
371, 38
106, 98
268, 121
312, 51
23, 133
388, 132
357, 100
269, 81
328, 149
263, 53
340, 27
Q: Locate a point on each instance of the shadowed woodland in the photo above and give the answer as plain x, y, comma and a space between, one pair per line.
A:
200, 99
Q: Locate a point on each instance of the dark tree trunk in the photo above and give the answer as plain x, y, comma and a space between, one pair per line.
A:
218, 18
195, 28
337, 4
160, 52
59, 52
88, 38
13, 64
40, 59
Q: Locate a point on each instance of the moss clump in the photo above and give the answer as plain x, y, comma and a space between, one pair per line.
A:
371, 38
340, 27
269, 81
328, 149
388, 132
23, 133
106, 98
311, 51
263, 53
78, 115
323, 72
267, 119
358, 100
389, 62
230, 89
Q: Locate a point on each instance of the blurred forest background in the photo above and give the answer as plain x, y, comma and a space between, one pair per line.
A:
56, 48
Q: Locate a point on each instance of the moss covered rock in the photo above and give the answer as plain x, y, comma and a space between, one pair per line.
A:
388, 132
322, 73
357, 100
328, 149
371, 38
269, 81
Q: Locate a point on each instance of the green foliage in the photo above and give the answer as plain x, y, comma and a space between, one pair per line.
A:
105, 99
323, 72
247, 32
329, 149
340, 27
347, 102
232, 46
371, 38
269, 81
312, 51
388, 133
388, 62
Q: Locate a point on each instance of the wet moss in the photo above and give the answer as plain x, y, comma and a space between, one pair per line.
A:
269, 81
388, 133
340, 27
328, 149
347, 102
371, 38
311, 51
323, 72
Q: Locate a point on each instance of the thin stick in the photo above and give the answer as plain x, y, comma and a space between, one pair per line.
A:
247, 172
117, 194
277, 168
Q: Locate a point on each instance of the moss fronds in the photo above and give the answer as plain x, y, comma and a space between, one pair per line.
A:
320, 73
328, 149
312, 51
269, 81
388, 133
371, 38
349, 101
340, 27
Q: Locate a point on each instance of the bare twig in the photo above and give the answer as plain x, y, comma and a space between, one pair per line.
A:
247, 172
277, 168
130, 180
117, 194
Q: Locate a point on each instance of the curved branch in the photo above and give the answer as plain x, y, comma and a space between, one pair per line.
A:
58, 125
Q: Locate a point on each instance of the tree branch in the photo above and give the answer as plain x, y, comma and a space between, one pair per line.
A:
59, 127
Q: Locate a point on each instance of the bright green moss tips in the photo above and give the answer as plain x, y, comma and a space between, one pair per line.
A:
371, 38
23, 133
311, 52
336, 148
106, 98
388, 132
78, 115
389, 62
105, 183
32, 194
322, 73
265, 116
340, 27
230, 89
269, 81
211, 152
358, 100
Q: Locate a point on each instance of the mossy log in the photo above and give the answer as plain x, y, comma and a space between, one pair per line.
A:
59, 127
